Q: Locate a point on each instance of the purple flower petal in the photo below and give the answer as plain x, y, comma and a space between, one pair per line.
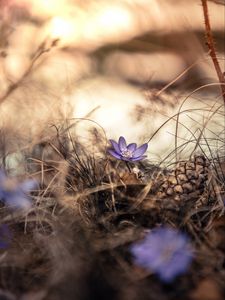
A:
14, 194
127, 153
18, 202
138, 158
28, 185
115, 146
125, 158
132, 147
164, 251
114, 154
122, 143
5, 236
140, 151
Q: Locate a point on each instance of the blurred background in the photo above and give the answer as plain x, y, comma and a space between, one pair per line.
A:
126, 64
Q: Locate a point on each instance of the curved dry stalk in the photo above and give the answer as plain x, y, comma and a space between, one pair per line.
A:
39, 52
181, 106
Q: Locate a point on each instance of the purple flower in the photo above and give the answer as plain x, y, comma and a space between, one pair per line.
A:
14, 194
164, 251
5, 236
128, 153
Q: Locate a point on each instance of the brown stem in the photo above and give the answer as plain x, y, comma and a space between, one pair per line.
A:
212, 49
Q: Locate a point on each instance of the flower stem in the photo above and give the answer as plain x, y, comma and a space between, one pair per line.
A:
128, 167
211, 46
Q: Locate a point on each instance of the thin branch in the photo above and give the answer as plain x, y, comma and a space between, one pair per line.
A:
211, 46
39, 52
221, 2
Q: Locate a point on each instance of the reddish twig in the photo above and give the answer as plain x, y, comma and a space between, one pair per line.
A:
212, 49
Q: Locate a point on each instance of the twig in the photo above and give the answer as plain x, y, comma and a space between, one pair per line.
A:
13, 86
211, 46
221, 2
178, 77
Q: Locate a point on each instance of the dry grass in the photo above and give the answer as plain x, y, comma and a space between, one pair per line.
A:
89, 208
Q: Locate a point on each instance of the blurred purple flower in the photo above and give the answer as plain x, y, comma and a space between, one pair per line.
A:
164, 251
14, 194
126, 152
5, 236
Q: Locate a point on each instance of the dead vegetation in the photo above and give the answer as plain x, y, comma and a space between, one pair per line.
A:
89, 208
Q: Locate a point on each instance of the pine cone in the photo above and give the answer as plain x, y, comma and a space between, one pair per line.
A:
187, 179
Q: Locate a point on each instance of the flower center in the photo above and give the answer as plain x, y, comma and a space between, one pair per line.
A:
168, 253
127, 153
